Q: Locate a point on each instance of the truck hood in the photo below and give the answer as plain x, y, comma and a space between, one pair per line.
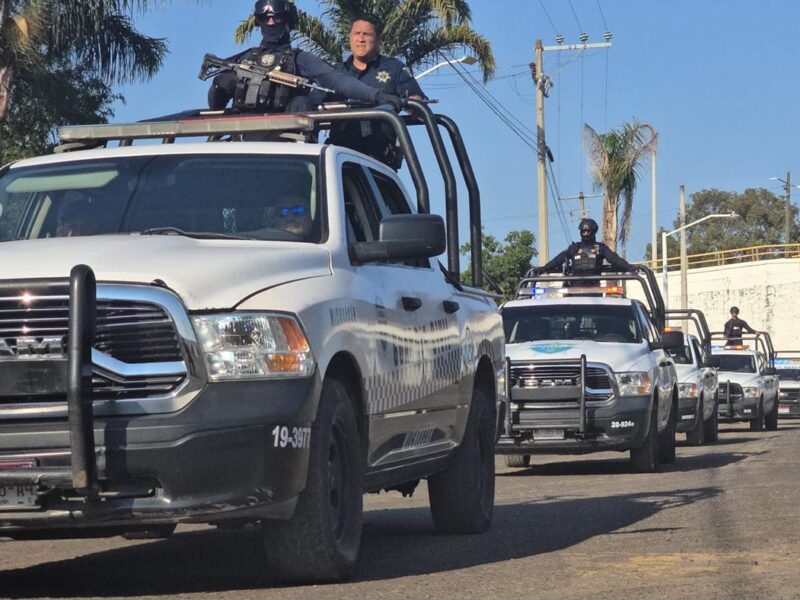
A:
206, 274
687, 373
743, 379
620, 357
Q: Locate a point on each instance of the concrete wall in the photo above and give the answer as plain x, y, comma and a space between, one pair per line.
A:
766, 292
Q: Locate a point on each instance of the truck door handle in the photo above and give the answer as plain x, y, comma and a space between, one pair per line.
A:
451, 307
411, 303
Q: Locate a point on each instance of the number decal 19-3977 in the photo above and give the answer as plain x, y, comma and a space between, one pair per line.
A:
291, 437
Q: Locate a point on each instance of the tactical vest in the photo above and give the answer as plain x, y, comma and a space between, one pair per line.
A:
253, 95
585, 259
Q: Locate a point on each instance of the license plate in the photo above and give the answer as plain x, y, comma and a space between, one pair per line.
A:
18, 496
783, 410
548, 434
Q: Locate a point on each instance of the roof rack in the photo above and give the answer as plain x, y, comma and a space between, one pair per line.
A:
645, 277
763, 342
214, 125
697, 317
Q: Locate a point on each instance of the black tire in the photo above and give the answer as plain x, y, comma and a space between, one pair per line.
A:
666, 438
462, 496
518, 461
771, 419
645, 458
757, 424
712, 425
320, 543
697, 436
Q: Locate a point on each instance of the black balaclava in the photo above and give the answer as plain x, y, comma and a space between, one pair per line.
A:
275, 37
591, 224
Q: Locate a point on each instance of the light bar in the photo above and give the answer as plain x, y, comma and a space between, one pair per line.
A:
562, 292
185, 128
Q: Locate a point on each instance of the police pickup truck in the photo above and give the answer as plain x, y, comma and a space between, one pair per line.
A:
787, 362
588, 370
236, 333
698, 389
748, 381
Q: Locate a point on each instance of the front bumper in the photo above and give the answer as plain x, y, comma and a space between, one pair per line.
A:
217, 459
687, 414
744, 410
618, 425
788, 409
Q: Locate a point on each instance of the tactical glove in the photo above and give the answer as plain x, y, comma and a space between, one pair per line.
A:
396, 102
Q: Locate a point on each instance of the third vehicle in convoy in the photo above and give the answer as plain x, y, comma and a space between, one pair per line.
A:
787, 362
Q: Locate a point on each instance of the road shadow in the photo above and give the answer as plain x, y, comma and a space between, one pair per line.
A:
397, 543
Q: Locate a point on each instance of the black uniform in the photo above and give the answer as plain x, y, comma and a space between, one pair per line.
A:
586, 258
734, 329
279, 98
390, 76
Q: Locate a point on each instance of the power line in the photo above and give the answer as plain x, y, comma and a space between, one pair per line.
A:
602, 16
574, 14
547, 14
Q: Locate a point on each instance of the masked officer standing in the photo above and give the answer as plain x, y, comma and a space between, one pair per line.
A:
277, 18
585, 257
389, 75
735, 327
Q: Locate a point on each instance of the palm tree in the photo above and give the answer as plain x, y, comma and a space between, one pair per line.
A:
98, 33
615, 159
417, 31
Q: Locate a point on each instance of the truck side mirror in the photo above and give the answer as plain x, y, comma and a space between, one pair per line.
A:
404, 237
769, 371
711, 362
672, 340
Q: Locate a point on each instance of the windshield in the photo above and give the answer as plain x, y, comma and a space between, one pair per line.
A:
733, 363
248, 196
570, 322
786, 374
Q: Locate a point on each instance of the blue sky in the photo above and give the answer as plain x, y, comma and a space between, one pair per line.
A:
718, 79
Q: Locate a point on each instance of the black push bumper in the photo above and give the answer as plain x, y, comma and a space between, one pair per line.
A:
744, 410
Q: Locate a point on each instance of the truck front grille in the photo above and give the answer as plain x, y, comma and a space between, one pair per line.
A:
532, 376
730, 393
790, 395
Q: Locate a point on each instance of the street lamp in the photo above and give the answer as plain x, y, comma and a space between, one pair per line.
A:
665, 254
467, 60
787, 186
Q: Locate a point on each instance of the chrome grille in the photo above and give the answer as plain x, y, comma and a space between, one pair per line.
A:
790, 395
531, 376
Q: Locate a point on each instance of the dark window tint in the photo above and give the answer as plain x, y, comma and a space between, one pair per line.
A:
359, 205
614, 324
391, 200
733, 363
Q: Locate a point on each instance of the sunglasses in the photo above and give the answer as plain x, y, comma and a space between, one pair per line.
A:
286, 212
278, 19
586, 230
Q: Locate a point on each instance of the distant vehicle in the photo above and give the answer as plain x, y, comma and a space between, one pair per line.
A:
698, 388
748, 381
787, 363
588, 371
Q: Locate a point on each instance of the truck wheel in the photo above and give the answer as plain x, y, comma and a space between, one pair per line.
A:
697, 436
757, 424
666, 438
518, 461
771, 420
320, 543
645, 458
462, 496
712, 425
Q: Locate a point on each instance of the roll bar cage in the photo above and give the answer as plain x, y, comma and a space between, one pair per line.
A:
762, 340
697, 317
214, 125
645, 277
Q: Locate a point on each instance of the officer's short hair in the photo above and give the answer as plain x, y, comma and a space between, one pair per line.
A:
375, 21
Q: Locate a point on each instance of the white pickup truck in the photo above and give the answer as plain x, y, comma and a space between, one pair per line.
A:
787, 362
233, 333
748, 381
588, 371
698, 386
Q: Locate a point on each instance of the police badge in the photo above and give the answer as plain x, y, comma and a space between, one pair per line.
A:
383, 76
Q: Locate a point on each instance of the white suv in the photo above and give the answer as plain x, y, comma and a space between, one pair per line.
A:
262, 337
588, 370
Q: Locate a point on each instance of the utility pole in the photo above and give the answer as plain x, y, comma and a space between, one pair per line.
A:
787, 236
542, 89
654, 223
541, 156
684, 258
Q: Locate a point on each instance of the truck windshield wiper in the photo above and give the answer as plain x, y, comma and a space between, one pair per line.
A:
198, 235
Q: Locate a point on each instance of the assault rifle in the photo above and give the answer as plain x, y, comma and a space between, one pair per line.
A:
254, 75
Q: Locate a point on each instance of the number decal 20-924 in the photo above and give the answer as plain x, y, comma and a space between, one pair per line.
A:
291, 437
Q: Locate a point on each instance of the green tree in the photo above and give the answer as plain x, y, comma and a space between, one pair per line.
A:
615, 158
96, 33
50, 95
418, 31
505, 262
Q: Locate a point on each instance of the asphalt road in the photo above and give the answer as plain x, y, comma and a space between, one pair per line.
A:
723, 522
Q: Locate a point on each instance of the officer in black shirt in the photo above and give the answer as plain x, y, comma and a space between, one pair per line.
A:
389, 75
585, 257
277, 18
735, 327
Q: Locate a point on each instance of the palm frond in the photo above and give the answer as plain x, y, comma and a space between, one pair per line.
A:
425, 48
244, 30
321, 39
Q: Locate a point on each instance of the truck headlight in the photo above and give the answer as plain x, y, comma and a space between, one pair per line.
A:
687, 390
634, 384
751, 393
253, 346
